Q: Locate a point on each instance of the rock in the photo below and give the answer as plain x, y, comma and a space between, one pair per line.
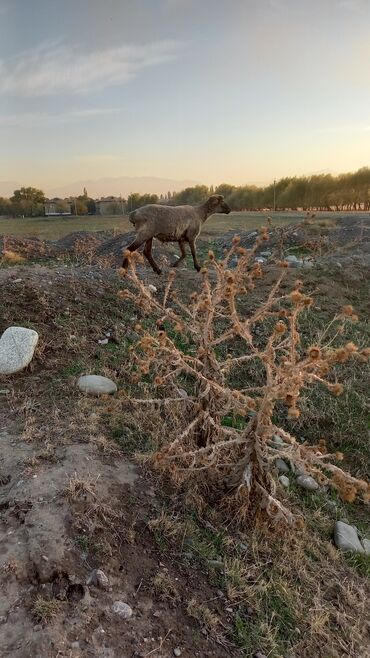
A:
17, 346
17, 280
177, 651
266, 254
215, 564
98, 578
152, 288
278, 440
308, 264
307, 482
96, 385
346, 538
122, 609
259, 655
103, 341
291, 258
284, 481
296, 263
259, 260
282, 466
366, 545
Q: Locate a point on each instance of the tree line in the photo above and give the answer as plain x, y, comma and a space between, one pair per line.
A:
320, 192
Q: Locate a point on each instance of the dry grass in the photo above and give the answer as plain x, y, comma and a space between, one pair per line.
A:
80, 487
165, 588
11, 258
206, 618
45, 610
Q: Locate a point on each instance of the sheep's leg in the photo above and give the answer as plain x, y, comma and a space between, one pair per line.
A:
183, 253
148, 254
132, 247
194, 254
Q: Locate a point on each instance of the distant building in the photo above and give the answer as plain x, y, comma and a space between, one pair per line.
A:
54, 207
110, 205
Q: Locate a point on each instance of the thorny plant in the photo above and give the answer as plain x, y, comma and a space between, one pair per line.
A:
235, 465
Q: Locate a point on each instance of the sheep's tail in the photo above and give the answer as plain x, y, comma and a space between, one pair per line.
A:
131, 217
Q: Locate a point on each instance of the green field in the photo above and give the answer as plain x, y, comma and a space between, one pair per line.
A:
53, 228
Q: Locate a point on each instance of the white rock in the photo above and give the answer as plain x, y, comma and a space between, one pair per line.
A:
177, 651
346, 538
17, 346
122, 609
259, 260
366, 545
96, 385
307, 482
103, 341
291, 259
265, 254
152, 288
308, 263
284, 481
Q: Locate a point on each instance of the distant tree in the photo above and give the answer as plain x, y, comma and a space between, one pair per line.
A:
191, 195
28, 201
5, 206
137, 200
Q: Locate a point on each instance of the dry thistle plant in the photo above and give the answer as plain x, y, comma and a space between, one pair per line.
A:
234, 466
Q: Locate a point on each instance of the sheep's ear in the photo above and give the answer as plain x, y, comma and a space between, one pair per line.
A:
215, 199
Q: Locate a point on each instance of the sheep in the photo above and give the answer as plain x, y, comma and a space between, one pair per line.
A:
180, 224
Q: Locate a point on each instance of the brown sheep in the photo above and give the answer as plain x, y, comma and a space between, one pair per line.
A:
180, 224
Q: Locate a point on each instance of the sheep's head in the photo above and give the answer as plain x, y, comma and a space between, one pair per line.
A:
216, 203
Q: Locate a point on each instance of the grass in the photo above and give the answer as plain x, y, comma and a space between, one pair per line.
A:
45, 610
53, 228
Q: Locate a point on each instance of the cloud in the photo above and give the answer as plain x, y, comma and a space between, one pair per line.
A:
33, 119
55, 67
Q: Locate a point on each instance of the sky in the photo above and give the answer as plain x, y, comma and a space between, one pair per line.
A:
238, 91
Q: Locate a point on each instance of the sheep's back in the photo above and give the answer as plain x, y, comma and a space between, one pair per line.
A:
164, 222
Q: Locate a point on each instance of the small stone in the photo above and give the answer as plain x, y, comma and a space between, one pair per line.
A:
296, 263
152, 288
17, 280
229, 610
122, 609
177, 651
366, 545
17, 346
259, 655
103, 341
266, 254
346, 538
98, 578
291, 258
282, 466
307, 482
259, 260
308, 264
96, 385
278, 440
284, 481
216, 564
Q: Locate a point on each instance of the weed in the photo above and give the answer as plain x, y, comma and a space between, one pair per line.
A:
45, 610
